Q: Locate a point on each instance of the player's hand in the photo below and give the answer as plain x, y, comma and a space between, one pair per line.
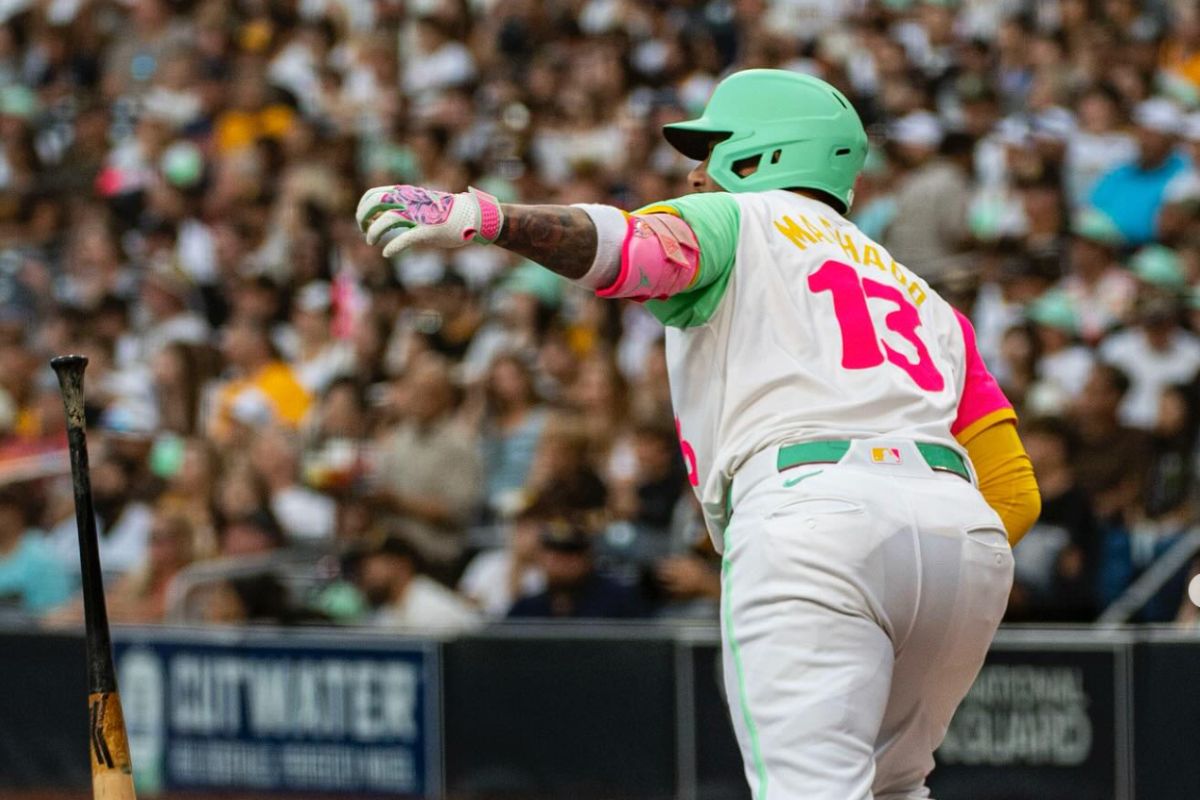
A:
428, 217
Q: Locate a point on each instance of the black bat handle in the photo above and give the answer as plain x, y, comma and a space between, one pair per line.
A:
101, 675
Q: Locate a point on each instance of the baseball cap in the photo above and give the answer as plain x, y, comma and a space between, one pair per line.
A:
1095, 226
1160, 115
18, 101
918, 128
1054, 309
182, 164
529, 278
1158, 266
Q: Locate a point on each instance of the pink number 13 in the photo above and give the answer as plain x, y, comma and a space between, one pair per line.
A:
862, 347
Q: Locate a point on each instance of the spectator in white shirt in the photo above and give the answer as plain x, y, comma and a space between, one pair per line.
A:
122, 522
1101, 291
1099, 145
1064, 365
305, 515
1158, 352
317, 358
165, 294
390, 578
498, 577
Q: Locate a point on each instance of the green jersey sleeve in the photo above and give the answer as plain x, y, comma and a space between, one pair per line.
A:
715, 219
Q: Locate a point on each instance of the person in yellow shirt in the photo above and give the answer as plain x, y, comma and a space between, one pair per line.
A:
263, 390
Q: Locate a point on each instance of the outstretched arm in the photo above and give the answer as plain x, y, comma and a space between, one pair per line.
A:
560, 238
654, 255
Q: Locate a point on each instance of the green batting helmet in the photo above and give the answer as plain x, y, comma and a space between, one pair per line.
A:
804, 133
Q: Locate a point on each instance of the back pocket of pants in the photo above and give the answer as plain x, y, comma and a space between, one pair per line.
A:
816, 506
991, 535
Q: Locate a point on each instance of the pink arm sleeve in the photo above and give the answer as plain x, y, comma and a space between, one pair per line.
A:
659, 258
982, 400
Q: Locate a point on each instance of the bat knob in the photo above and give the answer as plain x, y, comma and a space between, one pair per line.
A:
68, 363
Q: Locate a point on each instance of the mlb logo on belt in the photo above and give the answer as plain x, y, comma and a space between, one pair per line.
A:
885, 455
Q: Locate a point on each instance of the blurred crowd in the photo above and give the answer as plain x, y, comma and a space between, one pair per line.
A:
287, 428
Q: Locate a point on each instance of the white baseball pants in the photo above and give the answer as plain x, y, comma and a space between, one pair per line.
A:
858, 602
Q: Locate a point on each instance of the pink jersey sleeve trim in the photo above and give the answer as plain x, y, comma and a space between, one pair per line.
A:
659, 258
981, 396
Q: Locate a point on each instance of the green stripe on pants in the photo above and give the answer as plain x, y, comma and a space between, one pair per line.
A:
755, 753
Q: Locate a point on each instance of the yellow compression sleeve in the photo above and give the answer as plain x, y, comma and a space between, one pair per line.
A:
1006, 477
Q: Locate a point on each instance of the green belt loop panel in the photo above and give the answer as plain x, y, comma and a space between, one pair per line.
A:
937, 456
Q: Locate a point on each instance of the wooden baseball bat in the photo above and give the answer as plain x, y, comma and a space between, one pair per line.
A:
112, 771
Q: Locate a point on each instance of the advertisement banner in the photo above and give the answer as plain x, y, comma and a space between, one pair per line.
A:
1036, 724
1039, 722
293, 713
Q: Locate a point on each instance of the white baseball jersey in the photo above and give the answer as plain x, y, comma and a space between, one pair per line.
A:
799, 327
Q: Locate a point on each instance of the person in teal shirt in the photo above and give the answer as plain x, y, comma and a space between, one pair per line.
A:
31, 580
1132, 194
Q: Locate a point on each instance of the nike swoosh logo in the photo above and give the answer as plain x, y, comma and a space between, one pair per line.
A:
798, 478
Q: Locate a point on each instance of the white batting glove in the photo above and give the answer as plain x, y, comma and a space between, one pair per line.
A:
428, 217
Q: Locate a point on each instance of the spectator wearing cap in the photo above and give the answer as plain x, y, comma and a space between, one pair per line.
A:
31, 579
1158, 351
1133, 193
574, 587
316, 357
930, 225
428, 474
1063, 365
1012, 281
263, 389
123, 521
401, 596
1101, 291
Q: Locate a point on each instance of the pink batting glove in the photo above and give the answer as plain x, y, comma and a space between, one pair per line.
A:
428, 217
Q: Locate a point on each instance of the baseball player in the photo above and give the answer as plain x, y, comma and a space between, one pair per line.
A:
858, 466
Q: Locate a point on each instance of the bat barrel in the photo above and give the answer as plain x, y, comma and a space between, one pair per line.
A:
101, 674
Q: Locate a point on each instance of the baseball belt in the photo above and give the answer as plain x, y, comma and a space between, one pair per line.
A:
937, 456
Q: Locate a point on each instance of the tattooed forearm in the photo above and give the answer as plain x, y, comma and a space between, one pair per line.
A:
560, 238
